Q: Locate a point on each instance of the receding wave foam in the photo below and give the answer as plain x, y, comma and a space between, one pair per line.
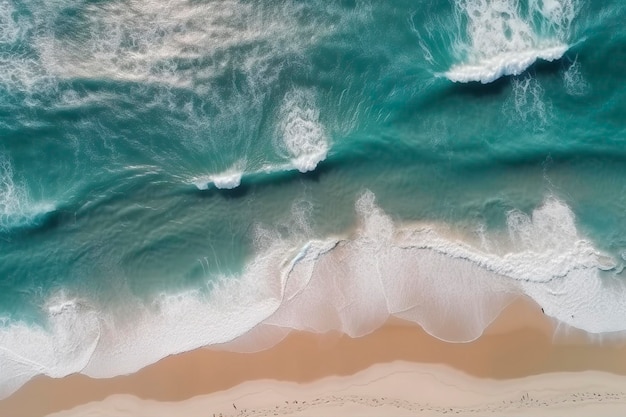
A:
68, 343
504, 37
446, 282
303, 136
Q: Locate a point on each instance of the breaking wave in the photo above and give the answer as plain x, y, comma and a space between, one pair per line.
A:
505, 37
304, 138
16, 208
428, 274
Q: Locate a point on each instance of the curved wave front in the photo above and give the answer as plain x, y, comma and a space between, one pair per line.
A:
452, 285
16, 208
507, 63
224, 181
502, 37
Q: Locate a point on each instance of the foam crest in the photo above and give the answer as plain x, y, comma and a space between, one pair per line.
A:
303, 136
423, 273
354, 285
232, 177
227, 180
450, 287
16, 207
506, 63
504, 37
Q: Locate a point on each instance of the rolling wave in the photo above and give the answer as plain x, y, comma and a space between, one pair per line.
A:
17, 210
453, 285
505, 37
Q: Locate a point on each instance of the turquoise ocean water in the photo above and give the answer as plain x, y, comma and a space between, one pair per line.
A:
174, 174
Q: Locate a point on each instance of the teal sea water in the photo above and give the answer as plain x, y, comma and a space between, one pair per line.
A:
179, 174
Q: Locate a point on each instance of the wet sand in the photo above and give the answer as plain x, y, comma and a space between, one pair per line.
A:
397, 364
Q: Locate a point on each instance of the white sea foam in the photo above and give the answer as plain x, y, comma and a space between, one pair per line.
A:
23, 74
19, 71
303, 136
154, 41
491, 68
422, 273
67, 344
9, 27
227, 180
16, 207
232, 177
174, 43
504, 37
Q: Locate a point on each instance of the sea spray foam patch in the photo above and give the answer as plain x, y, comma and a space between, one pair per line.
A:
149, 41
304, 138
504, 37
226, 180
16, 207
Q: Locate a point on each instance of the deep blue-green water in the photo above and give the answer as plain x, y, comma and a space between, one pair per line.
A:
174, 174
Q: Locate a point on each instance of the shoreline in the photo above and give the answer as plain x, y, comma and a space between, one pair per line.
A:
393, 389
518, 345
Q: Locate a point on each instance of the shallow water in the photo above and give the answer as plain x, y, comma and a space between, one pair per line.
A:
173, 174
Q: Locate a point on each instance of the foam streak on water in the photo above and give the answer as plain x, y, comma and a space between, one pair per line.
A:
152, 41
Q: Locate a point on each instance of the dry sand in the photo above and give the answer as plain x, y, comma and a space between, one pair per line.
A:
514, 368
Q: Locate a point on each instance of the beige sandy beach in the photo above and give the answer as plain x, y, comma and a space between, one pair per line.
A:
516, 368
